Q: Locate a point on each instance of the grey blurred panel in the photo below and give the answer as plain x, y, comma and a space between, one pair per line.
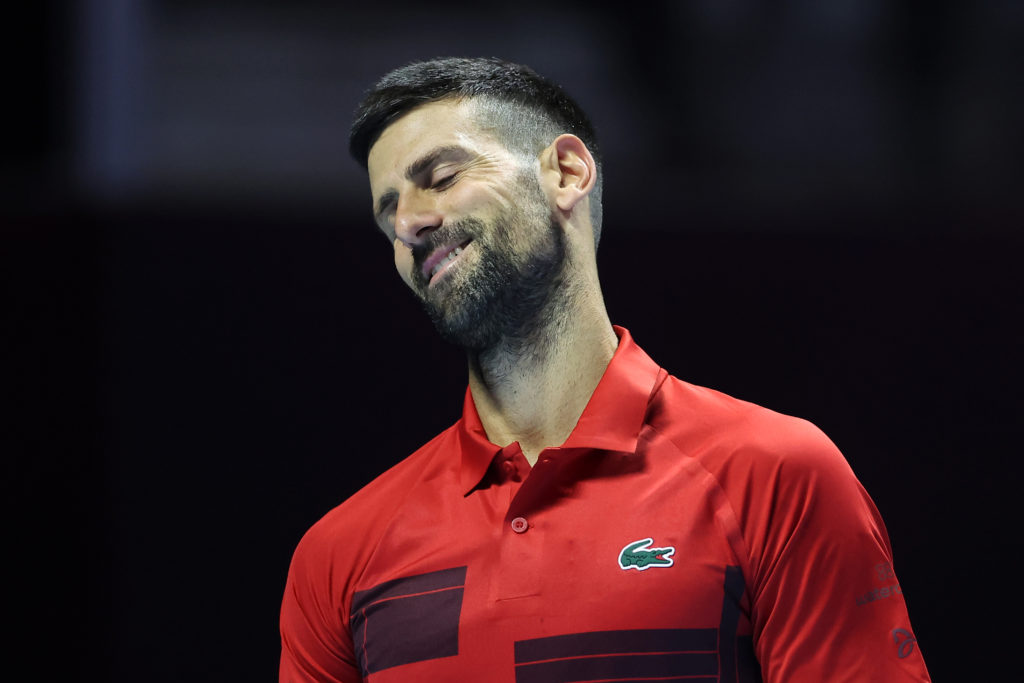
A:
109, 77
253, 103
738, 110
249, 103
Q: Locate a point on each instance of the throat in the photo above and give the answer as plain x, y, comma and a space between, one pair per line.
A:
536, 393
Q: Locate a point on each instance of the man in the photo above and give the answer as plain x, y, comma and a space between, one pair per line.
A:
589, 517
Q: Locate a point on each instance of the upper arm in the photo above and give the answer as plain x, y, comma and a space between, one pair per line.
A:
316, 644
826, 603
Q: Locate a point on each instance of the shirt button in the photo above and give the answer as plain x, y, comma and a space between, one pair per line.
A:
520, 525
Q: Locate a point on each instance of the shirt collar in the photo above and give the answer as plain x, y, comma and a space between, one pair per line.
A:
611, 420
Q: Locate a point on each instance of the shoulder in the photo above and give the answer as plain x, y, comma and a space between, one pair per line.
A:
726, 434
776, 471
330, 558
377, 502
343, 540
781, 475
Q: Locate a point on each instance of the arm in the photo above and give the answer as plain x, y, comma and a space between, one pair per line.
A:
316, 644
826, 603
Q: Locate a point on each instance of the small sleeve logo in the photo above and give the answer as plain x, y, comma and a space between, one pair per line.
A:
640, 555
904, 640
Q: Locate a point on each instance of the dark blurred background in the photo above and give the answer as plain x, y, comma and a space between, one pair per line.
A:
812, 205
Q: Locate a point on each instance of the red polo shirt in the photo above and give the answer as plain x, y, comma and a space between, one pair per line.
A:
678, 534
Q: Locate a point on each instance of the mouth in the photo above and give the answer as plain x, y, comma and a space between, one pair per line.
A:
440, 261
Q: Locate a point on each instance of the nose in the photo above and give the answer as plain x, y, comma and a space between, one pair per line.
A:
416, 216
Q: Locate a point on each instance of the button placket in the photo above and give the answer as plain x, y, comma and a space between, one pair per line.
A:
522, 540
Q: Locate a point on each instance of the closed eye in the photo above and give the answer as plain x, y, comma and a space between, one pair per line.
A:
443, 182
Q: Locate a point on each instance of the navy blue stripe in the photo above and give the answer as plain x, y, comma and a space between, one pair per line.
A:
748, 668
614, 642
682, 679
734, 588
409, 585
619, 667
407, 629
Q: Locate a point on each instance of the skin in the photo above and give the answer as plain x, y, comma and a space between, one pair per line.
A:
531, 388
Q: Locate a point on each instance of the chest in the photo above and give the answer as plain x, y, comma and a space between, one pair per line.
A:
585, 566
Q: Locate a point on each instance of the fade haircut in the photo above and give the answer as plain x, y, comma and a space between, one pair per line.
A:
521, 108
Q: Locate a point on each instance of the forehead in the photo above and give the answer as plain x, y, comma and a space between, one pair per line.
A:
425, 128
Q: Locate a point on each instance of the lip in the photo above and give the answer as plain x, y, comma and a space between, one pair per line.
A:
439, 255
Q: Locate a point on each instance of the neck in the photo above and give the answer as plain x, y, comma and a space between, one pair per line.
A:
532, 388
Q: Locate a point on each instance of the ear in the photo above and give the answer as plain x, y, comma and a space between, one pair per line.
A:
569, 169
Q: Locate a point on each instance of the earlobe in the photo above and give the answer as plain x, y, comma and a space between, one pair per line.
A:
577, 171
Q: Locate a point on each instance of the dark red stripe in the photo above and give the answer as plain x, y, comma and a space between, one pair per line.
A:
615, 642
619, 667
410, 585
407, 629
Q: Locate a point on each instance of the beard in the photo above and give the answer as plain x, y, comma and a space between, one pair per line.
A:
505, 295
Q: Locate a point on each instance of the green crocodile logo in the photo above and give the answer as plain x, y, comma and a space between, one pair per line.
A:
640, 555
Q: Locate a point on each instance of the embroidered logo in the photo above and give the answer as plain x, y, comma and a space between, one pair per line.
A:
640, 555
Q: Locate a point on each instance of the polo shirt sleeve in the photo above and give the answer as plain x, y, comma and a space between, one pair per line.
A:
826, 603
316, 643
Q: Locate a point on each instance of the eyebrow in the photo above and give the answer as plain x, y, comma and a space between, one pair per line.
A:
417, 167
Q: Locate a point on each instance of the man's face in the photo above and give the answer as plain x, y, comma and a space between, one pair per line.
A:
472, 229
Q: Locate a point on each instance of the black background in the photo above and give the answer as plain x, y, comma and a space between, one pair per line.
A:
815, 208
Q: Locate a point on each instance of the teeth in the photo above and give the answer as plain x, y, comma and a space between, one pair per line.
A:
451, 255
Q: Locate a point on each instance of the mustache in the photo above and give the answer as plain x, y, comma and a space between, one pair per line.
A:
456, 232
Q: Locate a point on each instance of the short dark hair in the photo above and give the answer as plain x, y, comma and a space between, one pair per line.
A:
525, 110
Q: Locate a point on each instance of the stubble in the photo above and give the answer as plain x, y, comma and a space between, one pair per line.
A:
506, 296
